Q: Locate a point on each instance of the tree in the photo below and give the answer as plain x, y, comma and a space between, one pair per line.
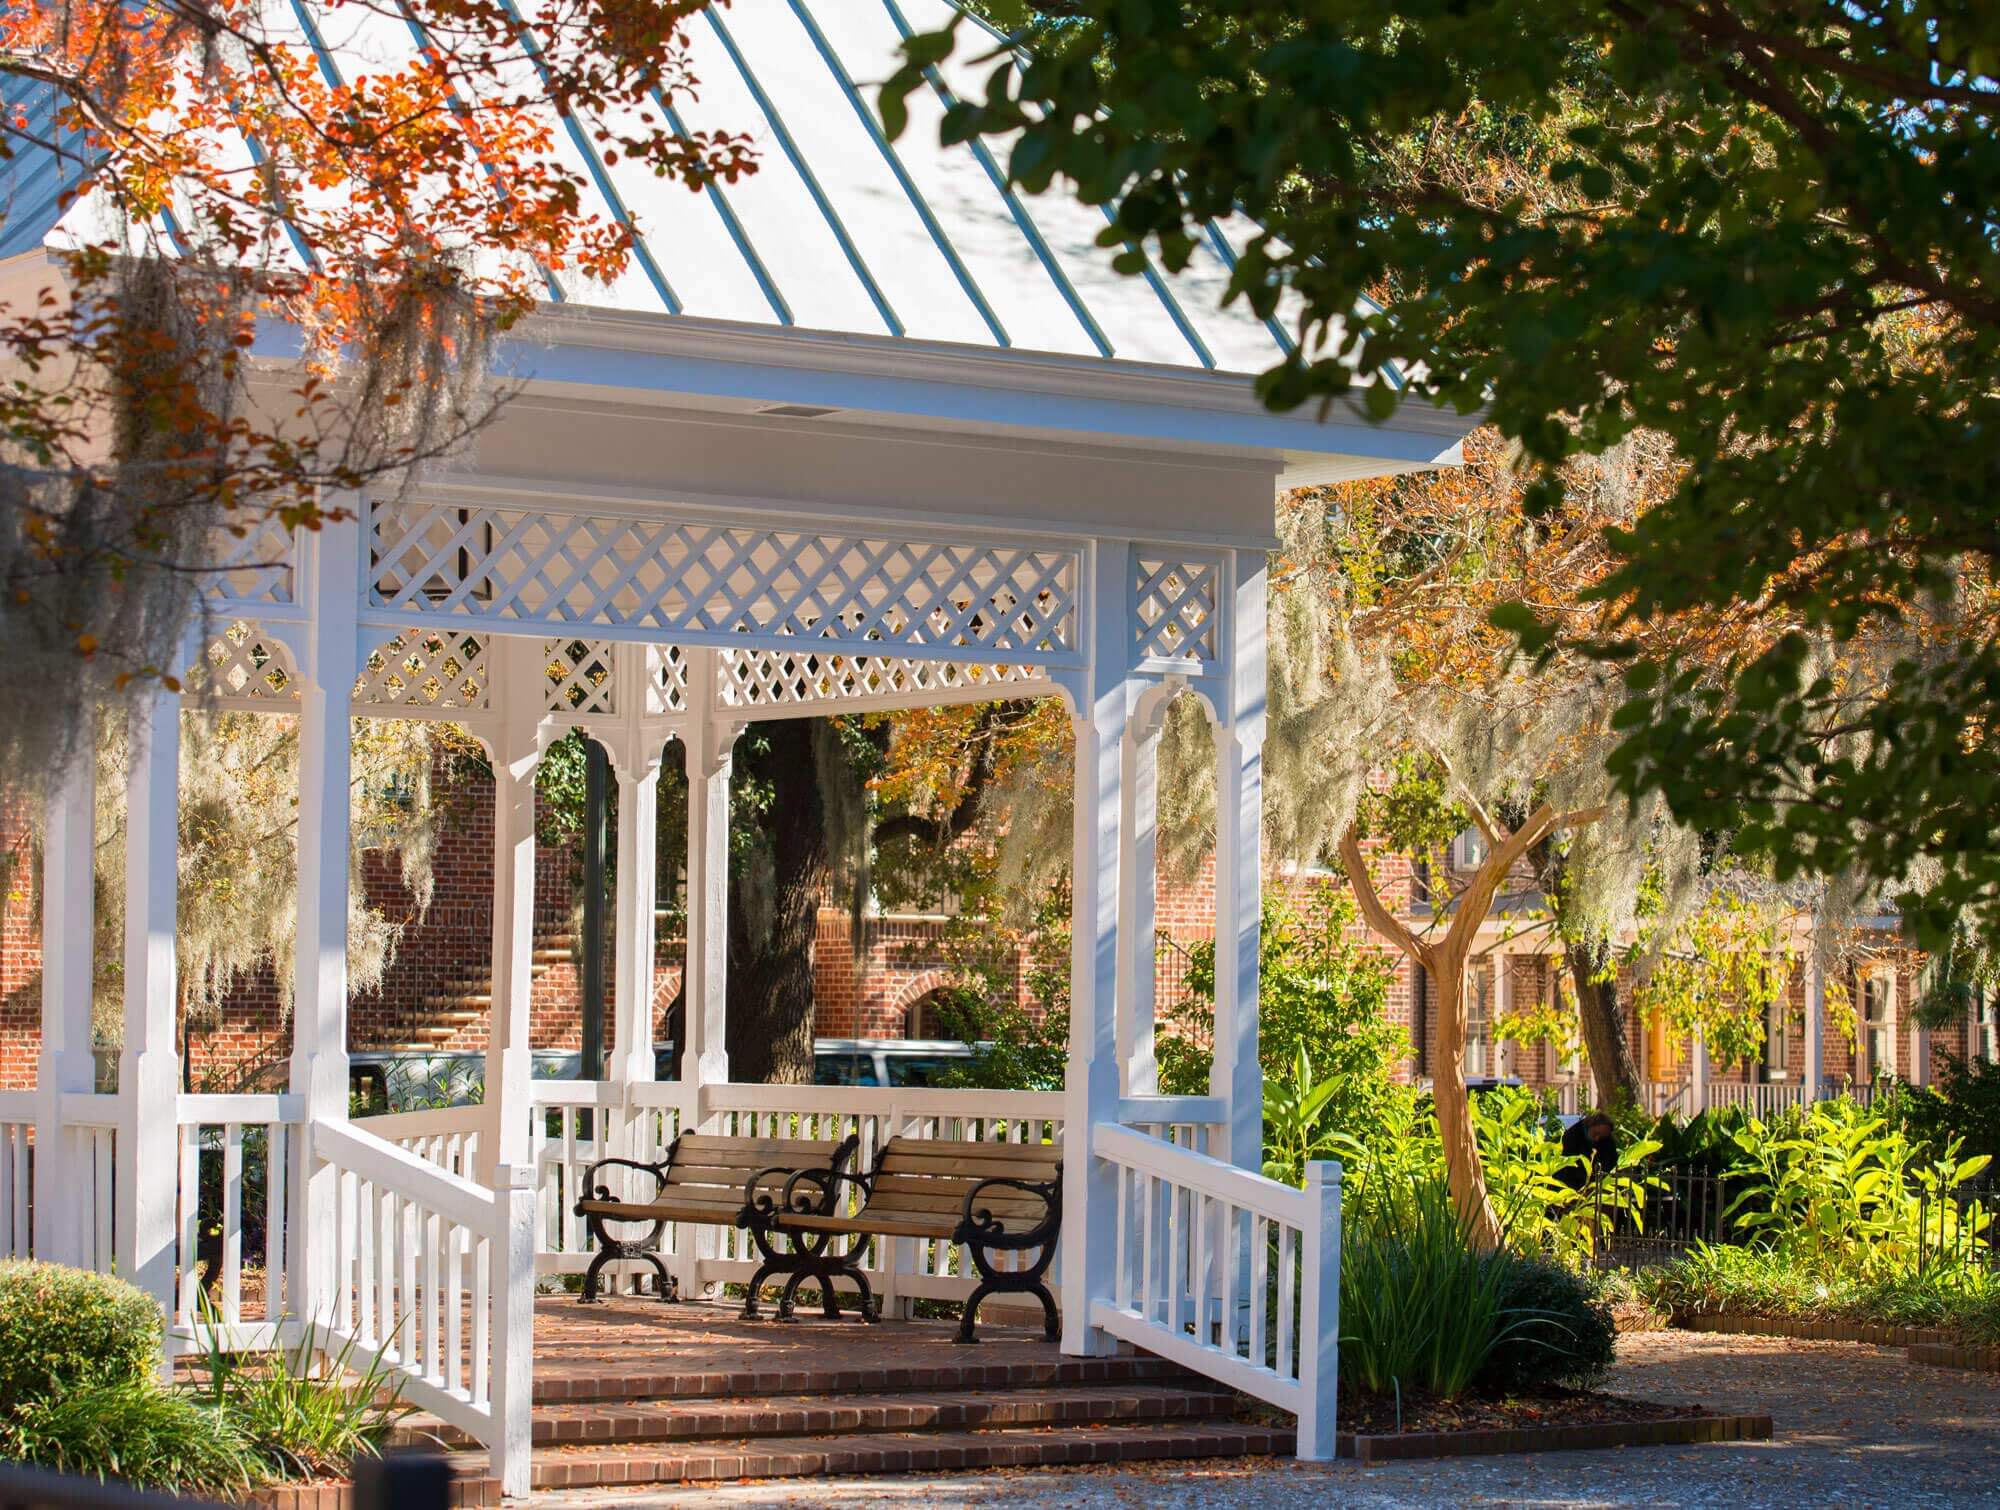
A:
139, 442
1773, 246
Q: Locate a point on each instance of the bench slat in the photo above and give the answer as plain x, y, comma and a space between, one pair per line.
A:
1044, 1153
881, 1226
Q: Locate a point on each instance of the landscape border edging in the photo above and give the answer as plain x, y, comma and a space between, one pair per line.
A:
1579, 1437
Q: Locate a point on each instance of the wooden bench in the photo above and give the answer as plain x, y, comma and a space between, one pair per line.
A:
705, 1180
993, 1198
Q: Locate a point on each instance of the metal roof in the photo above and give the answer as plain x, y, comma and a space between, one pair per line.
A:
838, 229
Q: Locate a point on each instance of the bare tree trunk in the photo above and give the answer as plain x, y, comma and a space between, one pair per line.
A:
1614, 1073
770, 1030
1465, 1172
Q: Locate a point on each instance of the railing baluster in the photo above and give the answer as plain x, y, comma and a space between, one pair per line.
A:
1288, 1284
277, 1150
190, 1202
368, 1275
1260, 1269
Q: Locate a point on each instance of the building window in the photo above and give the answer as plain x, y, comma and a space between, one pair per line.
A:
1986, 1026
1778, 1040
1878, 1025
1479, 1020
1468, 850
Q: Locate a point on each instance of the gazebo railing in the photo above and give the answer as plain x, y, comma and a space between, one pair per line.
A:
18, 1111
234, 1167
1230, 1274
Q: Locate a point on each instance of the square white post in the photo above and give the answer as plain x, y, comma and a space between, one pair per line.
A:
1138, 881
149, 1067
707, 746
1815, 1045
633, 944
512, 1453
1237, 1077
1698, 1072
508, 1135
1319, 1313
1090, 1185
331, 557
67, 1067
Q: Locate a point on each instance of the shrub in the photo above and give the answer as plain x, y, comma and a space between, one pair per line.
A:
65, 1330
1564, 1336
1419, 1311
136, 1431
1761, 1282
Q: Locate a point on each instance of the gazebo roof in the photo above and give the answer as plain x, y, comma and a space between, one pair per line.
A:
904, 279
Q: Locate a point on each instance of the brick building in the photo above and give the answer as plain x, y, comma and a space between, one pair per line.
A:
435, 994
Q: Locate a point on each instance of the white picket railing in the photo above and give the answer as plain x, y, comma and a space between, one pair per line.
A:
90, 1131
1761, 1101
18, 1110
1230, 1274
433, 1276
247, 1140
446, 1136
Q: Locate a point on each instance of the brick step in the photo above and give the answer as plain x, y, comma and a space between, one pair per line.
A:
849, 1414
563, 1375
901, 1452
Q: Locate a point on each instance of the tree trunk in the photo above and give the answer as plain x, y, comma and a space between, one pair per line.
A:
770, 1029
1614, 1073
1465, 1173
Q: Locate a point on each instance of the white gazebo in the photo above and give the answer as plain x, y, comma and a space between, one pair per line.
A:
865, 430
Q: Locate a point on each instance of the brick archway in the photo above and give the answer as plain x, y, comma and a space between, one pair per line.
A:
910, 1000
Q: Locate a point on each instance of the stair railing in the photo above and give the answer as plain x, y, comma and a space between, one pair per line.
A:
1231, 1275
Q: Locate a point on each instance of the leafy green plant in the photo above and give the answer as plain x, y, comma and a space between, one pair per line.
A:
64, 1331
305, 1413
136, 1431
1566, 1336
1419, 1310
1540, 1211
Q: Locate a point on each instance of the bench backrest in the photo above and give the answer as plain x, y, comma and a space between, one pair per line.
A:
706, 1166
931, 1177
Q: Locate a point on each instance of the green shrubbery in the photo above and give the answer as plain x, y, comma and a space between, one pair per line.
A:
1566, 1335
64, 1330
79, 1390
1757, 1281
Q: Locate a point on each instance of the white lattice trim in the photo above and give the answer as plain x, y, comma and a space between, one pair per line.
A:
774, 678
666, 681
582, 676
253, 567
243, 665
686, 579
427, 669
1174, 605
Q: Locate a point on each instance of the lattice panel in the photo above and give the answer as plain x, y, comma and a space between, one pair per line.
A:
773, 678
243, 664
1174, 608
582, 676
254, 567
427, 669
666, 681
529, 566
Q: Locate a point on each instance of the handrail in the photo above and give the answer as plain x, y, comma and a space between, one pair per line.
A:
1165, 1110
1200, 1171
284, 1106
427, 1122
368, 1154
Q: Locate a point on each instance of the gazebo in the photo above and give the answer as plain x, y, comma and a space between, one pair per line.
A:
866, 430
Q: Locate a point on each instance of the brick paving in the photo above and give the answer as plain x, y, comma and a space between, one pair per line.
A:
1856, 1425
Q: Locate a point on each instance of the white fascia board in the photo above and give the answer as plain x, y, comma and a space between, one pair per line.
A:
965, 386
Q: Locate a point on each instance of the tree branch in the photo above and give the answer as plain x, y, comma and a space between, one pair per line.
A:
1373, 910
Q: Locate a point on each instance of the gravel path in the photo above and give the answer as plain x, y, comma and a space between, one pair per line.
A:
1855, 1425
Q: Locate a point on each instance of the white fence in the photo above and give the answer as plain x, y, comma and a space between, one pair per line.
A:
248, 1142
17, 1142
1230, 1274
432, 1277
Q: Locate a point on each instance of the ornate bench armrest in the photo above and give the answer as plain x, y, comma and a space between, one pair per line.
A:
982, 1226
594, 1191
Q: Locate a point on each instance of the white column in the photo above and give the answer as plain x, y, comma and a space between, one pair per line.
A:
149, 1068
632, 946
331, 558
1503, 1003
1920, 1033
1138, 880
507, 1138
707, 747
1090, 1186
1815, 1046
1239, 835
1698, 1072
67, 1067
